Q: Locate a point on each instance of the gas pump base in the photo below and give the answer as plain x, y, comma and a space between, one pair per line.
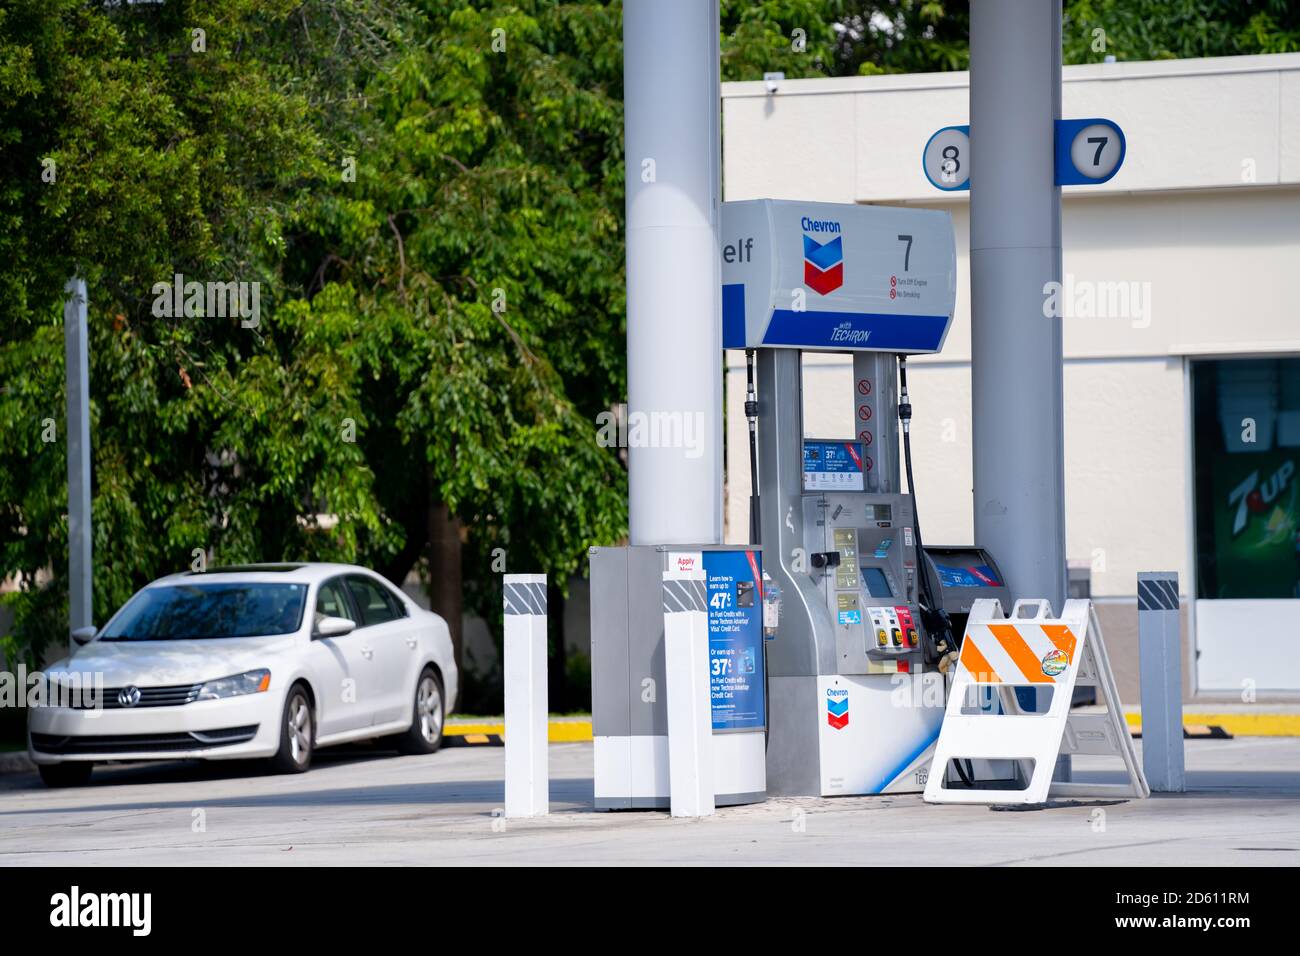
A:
628, 693
844, 735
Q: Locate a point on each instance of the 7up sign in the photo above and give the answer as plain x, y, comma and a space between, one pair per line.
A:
1250, 497
1252, 549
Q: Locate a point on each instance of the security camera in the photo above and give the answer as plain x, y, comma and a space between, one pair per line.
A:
773, 81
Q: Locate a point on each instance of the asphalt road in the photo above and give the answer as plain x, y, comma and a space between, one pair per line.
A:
374, 808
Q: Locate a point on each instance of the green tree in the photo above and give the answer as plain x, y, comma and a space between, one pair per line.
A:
431, 198
1169, 29
137, 142
481, 247
850, 37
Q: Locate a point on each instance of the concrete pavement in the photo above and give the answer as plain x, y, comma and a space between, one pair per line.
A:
359, 807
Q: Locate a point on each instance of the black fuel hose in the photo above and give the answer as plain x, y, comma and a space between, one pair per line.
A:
932, 614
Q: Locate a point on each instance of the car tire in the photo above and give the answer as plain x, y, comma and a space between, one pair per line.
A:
297, 733
65, 774
428, 710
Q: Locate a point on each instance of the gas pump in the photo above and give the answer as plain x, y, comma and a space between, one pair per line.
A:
855, 697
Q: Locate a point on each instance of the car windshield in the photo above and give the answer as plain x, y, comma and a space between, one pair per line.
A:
188, 612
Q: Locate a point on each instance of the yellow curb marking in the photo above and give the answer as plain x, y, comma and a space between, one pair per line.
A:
557, 731
1239, 725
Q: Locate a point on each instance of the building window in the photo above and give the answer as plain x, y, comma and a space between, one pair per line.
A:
1246, 453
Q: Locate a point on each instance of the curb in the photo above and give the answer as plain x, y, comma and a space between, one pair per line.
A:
1230, 724
1190, 732
492, 732
472, 740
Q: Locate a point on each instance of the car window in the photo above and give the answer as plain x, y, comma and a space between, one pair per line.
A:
332, 601
210, 610
374, 601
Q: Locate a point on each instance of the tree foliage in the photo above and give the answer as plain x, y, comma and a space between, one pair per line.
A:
379, 373
134, 150
809, 38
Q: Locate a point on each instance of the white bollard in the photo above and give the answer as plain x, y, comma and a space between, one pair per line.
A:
1160, 667
527, 773
690, 709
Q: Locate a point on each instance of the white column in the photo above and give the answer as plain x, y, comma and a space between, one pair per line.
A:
527, 773
77, 377
1160, 660
1015, 249
690, 709
674, 298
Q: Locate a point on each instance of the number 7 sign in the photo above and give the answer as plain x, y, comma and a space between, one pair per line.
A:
1088, 151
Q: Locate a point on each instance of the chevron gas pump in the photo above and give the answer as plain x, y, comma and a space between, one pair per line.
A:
855, 699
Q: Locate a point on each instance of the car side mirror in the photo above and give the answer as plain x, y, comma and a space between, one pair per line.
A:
334, 627
84, 635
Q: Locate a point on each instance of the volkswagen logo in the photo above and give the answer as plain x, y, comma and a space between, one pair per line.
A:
128, 696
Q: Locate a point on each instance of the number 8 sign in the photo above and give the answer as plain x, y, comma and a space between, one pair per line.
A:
946, 159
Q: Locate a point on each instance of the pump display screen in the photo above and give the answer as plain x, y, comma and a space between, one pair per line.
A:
832, 466
873, 579
972, 576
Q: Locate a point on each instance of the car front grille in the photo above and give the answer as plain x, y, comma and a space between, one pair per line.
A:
142, 743
171, 696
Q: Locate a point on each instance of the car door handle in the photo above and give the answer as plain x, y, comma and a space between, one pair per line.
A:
367, 653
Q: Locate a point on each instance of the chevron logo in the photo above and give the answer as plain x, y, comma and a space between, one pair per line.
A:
823, 264
837, 709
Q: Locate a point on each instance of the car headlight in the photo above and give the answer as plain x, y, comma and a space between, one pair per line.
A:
249, 682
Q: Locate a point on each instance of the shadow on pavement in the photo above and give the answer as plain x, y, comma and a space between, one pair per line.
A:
490, 791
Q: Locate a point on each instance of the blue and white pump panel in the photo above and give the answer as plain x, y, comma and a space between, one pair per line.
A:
836, 277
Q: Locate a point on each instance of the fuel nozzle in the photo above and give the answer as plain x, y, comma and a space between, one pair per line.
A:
938, 630
904, 407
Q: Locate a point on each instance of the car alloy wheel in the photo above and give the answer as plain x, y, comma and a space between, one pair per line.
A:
428, 709
297, 732
298, 720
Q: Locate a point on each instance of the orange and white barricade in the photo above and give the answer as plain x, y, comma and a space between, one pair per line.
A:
986, 726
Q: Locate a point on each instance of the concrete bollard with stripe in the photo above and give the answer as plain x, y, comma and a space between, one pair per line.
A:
1160, 660
527, 772
690, 708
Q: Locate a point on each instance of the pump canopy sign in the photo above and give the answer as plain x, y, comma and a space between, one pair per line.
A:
836, 276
